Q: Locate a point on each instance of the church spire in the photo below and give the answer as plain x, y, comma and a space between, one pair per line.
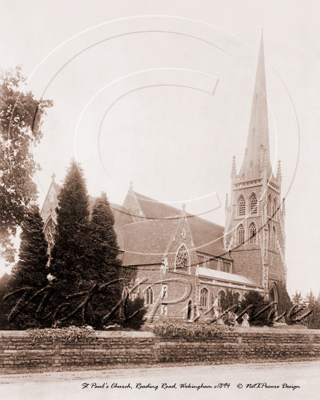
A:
257, 151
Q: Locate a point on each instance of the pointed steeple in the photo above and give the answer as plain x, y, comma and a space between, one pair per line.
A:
279, 174
233, 168
257, 151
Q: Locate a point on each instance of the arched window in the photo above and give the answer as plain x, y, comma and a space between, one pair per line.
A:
182, 259
204, 297
274, 210
253, 204
241, 234
274, 237
242, 206
49, 232
252, 233
148, 296
269, 206
269, 235
222, 299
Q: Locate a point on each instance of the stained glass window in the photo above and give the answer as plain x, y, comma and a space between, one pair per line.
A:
182, 258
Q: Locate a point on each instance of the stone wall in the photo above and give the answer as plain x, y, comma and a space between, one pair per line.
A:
244, 345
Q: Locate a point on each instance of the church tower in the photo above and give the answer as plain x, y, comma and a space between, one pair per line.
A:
254, 229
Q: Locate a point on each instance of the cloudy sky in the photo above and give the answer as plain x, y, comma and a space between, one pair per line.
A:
159, 93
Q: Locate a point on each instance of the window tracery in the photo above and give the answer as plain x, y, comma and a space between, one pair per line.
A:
182, 259
253, 204
242, 206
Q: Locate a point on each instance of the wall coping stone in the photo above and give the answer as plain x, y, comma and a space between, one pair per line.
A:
99, 334
147, 334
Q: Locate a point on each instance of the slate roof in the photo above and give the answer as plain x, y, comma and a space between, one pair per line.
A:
224, 276
151, 236
207, 236
145, 242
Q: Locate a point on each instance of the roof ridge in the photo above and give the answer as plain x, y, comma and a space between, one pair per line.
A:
189, 215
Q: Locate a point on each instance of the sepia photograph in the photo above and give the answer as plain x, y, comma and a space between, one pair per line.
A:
159, 204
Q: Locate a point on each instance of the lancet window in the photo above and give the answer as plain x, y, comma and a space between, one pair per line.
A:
204, 297
253, 233
148, 296
274, 210
241, 234
253, 204
269, 206
242, 206
49, 233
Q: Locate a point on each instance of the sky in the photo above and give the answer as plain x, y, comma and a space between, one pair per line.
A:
159, 94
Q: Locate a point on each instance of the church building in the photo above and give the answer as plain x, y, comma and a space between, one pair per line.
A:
183, 263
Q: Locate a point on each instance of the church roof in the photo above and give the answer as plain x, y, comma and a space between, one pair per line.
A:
224, 276
155, 232
146, 242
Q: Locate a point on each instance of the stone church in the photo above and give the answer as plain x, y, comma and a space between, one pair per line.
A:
183, 263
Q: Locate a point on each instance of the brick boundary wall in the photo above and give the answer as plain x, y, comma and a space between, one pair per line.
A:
240, 346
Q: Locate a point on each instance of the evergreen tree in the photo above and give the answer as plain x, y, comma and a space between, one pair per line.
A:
70, 261
104, 263
284, 303
30, 271
297, 298
257, 300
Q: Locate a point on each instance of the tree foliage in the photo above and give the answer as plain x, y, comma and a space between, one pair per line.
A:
20, 128
69, 264
31, 269
257, 300
284, 302
104, 264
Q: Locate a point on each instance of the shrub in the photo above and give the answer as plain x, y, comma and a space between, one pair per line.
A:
190, 332
134, 314
229, 319
67, 334
257, 300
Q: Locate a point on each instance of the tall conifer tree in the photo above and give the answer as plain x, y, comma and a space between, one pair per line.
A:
31, 270
105, 265
104, 246
69, 264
